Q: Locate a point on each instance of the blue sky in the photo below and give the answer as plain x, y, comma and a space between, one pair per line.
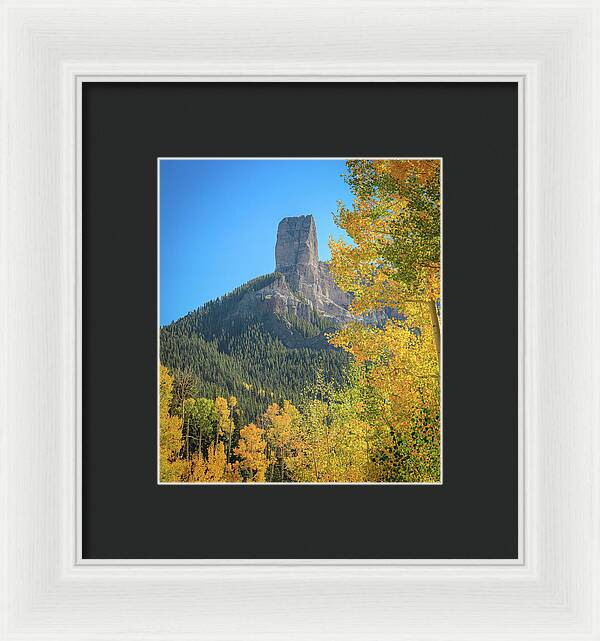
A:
218, 221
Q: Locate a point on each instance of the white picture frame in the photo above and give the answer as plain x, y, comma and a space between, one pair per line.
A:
552, 50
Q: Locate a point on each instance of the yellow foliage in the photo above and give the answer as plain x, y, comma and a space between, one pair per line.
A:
281, 425
329, 444
425, 170
394, 263
223, 417
215, 469
251, 451
172, 468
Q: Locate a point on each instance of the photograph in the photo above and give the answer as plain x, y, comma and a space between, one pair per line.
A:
299, 320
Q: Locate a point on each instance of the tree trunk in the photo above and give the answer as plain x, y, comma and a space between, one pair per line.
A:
315, 468
187, 433
435, 322
272, 470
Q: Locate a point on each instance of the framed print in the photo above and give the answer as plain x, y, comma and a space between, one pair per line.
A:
263, 387
299, 332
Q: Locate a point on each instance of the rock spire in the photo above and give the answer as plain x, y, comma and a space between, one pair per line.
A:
297, 254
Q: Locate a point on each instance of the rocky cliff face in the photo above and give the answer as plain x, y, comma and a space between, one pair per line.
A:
302, 287
305, 278
297, 253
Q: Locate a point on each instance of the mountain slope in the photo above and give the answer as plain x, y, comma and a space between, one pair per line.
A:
260, 357
266, 341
